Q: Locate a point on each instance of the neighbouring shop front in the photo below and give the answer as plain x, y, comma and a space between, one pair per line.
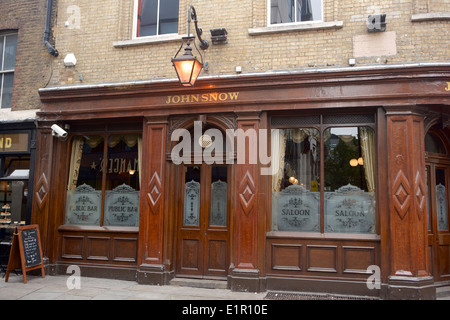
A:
17, 156
320, 180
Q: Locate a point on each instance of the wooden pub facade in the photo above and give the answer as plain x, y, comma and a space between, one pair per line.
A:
288, 166
328, 230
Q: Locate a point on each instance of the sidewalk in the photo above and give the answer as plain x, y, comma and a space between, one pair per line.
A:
55, 288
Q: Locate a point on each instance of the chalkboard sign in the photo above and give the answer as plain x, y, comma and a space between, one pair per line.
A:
26, 251
31, 250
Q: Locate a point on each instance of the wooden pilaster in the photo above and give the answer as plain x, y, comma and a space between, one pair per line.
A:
150, 259
245, 276
409, 263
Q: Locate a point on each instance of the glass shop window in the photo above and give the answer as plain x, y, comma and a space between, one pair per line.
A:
104, 180
325, 179
291, 11
157, 17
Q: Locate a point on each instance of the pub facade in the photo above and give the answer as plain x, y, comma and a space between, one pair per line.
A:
292, 170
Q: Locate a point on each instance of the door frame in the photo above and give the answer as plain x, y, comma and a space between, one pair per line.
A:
437, 238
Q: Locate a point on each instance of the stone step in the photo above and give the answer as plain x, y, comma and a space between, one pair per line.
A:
199, 283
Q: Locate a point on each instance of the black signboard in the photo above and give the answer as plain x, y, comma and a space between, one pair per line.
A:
26, 251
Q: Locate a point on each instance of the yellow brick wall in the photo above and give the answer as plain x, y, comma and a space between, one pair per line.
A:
104, 22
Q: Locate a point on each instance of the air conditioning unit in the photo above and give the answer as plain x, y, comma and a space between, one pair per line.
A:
376, 23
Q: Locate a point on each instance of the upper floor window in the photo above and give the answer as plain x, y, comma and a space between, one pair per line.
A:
290, 11
156, 17
8, 45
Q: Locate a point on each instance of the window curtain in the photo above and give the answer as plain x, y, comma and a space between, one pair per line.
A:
367, 138
75, 161
306, 11
139, 141
278, 140
280, 11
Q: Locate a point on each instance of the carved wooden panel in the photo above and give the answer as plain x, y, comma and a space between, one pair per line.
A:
310, 257
321, 258
287, 257
190, 254
93, 247
98, 248
356, 259
72, 247
217, 256
124, 249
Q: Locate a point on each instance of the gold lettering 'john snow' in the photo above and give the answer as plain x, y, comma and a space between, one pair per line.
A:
202, 98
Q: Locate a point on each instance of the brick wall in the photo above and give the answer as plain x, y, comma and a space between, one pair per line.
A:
33, 63
100, 38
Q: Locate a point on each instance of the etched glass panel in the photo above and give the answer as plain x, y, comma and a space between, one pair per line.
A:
122, 207
350, 210
219, 196
83, 206
441, 200
296, 209
192, 197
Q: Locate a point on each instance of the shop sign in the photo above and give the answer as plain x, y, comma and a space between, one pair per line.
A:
203, 98
13, 142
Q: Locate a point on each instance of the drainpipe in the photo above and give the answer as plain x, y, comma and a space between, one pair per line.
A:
51, 49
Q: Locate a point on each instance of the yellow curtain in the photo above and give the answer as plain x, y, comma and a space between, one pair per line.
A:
367, 138
75, 161
278, 152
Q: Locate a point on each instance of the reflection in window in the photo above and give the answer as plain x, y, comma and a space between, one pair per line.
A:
348, 191
295, 196
349, 180
157, 17
288, 11
434, 144
8, 45
121, 167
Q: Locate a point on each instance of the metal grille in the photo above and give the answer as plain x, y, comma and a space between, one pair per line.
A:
312, 296
349, 118
295, 121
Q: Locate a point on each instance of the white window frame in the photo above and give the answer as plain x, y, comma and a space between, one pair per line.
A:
269, 7
2, 72
135, 22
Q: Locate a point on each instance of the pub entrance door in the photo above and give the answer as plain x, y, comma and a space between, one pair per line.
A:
203, 222
438, 180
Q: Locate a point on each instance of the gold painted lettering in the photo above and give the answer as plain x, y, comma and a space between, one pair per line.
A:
213, 96
8, 143
223, 96
205, 97
176, 99
169, 99
233, 95
195, 98
448, 87
185, 99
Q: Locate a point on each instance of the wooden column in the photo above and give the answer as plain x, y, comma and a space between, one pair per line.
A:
150, 256
409, 262
245, 276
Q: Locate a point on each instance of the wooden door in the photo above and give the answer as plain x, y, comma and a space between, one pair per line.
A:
438, 178
203, 222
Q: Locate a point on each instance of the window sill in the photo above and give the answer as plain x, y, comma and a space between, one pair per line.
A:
296, 27
80, 228
430, 16
147, 40
323, 236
